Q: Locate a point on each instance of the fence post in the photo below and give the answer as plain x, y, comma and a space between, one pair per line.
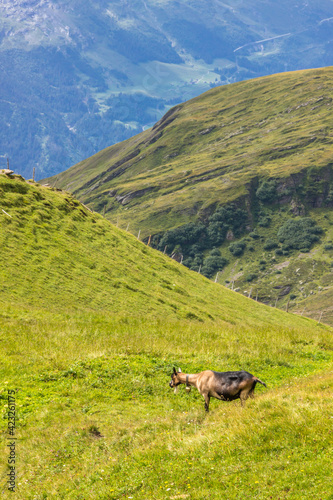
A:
217, 277
6, 213
139, 233
33, 174
149, 240
320, 317
250, 292
127, 227
287, 308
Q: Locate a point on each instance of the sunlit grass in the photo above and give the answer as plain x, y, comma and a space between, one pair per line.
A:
92, 323
97, 418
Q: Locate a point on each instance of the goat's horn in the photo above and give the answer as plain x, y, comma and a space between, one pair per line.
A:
179, 370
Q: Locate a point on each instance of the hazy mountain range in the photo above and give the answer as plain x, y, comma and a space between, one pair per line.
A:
79, 76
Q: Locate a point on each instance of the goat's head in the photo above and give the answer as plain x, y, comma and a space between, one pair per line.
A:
175, 380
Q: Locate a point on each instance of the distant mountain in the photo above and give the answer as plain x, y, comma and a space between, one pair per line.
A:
79, 76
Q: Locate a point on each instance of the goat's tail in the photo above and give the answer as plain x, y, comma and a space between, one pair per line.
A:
260, 381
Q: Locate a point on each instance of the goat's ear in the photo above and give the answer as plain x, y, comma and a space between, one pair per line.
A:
174, 371
179, 370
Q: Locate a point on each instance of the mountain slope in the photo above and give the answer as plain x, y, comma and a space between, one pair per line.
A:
57, 255
211, 150
262, 146
78, 77
92, 322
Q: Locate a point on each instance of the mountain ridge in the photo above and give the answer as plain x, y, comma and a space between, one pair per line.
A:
209, 138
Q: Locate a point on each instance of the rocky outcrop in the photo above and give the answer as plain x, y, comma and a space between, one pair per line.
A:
124, 199
297, 208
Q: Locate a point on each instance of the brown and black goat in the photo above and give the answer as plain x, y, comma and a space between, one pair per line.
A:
225, 386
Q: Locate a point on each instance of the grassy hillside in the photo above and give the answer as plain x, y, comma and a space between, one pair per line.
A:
317, 306
92, 322
264, 147
209, 151
55, 253
302, 278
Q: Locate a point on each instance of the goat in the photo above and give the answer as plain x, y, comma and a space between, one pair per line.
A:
226, 386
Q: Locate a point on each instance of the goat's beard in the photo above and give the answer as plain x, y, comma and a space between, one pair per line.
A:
175, 390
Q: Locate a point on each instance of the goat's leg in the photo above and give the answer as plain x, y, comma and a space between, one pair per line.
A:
243, 396
251, 393
207, 399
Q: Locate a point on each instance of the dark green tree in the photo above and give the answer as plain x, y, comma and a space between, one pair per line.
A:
299, 234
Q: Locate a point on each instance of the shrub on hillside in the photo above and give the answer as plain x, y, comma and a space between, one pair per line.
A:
194, 250
254, 235
215, 252
264, 221
251, 277
329, 198
185, 236
299, 234
188, 262
194, 263
213, 263
267, 191
225, 219
270, 244
155, 241
177, 249
287, 192
237, 248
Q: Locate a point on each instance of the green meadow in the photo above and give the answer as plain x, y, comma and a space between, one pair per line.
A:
92, 322
97, 419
